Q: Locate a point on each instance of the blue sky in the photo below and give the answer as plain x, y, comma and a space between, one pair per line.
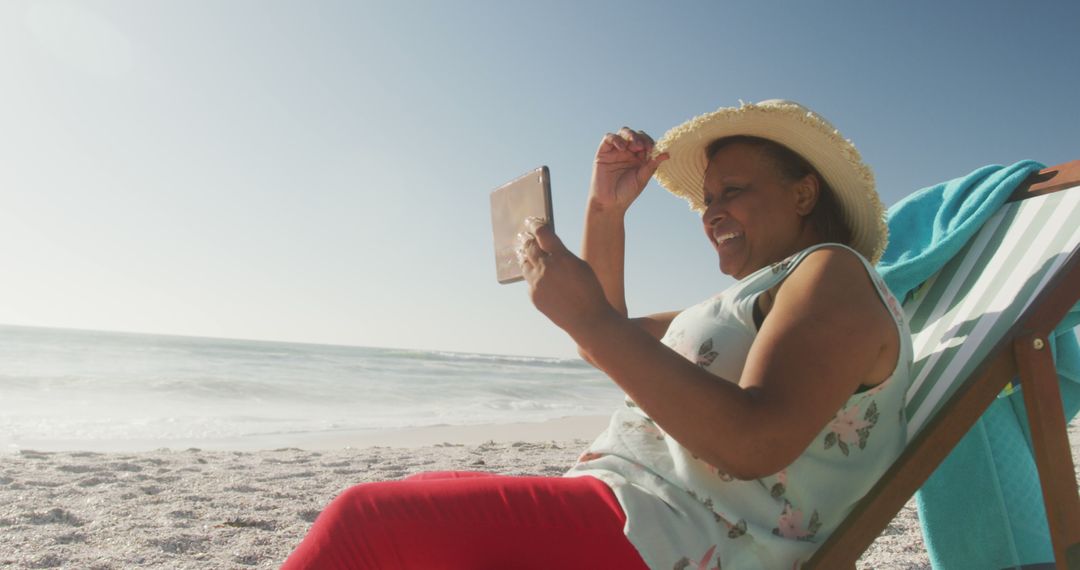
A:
318, 171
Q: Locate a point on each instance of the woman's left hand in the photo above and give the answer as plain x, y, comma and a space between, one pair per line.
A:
561, 285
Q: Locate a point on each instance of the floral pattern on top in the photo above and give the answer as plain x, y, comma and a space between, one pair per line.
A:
646, 426
589, 456
780, 487
791, 526
734, 529
849, 429
685, 563
705, 354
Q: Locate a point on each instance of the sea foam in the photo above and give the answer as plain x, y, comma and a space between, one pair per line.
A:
84, 385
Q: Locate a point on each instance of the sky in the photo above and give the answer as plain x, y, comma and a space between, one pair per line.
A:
318, 171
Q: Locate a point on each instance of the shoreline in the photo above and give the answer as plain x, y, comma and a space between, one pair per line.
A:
559, 429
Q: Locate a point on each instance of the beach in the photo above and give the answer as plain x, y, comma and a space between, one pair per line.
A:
202, 508
150, 451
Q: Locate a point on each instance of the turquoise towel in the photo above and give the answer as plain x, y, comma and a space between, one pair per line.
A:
982, 507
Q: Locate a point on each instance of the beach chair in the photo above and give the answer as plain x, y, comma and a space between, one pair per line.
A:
978, 324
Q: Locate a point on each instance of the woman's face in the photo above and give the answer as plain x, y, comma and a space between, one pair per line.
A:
753, 216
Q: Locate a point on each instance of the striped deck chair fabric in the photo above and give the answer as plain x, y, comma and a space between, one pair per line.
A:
961, 313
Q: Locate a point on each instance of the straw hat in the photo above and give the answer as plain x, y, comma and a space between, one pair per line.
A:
797, 128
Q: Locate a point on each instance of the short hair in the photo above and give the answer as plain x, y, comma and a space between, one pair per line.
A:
827, 217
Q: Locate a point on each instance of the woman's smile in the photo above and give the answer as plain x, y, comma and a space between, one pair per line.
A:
722, 239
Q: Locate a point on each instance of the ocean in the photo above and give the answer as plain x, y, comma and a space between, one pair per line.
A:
88, 387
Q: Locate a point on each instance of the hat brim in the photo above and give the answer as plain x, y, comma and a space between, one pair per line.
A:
799, 129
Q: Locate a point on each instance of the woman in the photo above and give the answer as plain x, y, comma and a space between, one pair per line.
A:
753, 421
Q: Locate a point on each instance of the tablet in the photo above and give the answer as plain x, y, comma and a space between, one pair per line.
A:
526, 196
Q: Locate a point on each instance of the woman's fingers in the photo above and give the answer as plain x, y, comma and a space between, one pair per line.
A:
545, 237
528, 250
633, 140
613, 140
649, 168
637, 141
530, 257
537, 245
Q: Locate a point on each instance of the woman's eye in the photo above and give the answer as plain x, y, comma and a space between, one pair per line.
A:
730, 190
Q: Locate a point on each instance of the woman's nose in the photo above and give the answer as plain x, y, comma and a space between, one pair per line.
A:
713, 214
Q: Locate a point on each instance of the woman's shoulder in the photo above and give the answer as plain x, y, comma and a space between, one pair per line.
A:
845, 269
839, 276
835, 263
817, 270
839, 260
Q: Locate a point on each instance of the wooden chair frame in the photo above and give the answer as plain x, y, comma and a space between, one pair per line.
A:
1023, 351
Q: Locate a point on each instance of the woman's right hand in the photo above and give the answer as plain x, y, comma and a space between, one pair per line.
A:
621, 169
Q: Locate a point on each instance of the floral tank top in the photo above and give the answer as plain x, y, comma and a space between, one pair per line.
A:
682, 512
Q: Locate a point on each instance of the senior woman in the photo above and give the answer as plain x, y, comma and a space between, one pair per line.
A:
753, 421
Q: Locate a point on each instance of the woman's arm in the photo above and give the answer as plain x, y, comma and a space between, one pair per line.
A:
824, 335
656, 325
621, 170
603, 247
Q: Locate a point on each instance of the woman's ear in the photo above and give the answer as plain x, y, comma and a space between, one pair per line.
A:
807, 190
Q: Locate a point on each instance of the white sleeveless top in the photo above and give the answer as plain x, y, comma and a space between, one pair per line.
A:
682, 512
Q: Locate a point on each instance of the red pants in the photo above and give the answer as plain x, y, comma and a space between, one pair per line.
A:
459, 520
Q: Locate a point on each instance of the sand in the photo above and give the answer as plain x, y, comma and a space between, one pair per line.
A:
203, 508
